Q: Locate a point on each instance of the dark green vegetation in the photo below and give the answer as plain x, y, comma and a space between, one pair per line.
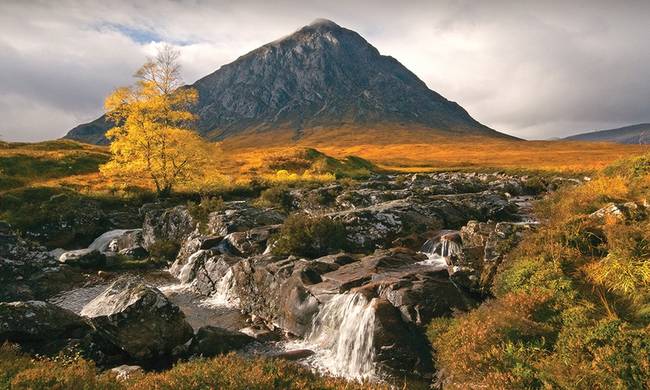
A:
572, 306
20, 371
312, 161
310, 236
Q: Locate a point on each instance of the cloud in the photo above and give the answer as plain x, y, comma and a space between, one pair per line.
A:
532, 69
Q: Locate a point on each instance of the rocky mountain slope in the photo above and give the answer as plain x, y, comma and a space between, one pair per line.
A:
635, 134
321, 76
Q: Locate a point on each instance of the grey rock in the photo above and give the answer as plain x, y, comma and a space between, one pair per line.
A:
138, 319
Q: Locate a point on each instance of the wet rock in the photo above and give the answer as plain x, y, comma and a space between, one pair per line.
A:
211, 341
293, 355
139, 319
261, 333
400, 349
40, 326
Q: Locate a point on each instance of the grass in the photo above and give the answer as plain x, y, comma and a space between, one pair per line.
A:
409, 149
20, 371
572, 302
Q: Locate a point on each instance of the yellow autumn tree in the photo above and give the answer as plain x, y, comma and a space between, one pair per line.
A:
153, 138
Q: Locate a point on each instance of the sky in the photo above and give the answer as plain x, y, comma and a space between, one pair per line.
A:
533, 69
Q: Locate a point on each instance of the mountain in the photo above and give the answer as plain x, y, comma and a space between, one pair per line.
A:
635, 134
321, 76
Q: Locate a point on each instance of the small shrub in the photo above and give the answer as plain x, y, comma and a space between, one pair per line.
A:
164, 250
276, 196
309, 236
201, 211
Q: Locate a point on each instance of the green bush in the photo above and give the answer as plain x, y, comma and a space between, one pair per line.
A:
310, 236
201, 211
276, 196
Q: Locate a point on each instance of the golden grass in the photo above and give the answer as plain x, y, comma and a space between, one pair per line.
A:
412, 150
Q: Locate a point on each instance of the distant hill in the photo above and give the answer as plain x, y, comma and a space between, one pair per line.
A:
323, 76
635, 134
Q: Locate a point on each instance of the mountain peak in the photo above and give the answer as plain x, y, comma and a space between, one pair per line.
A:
321, 76
324, 23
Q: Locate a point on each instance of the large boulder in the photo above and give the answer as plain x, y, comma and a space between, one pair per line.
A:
240, 217
170, 225
40, 326
38, 321
138, 319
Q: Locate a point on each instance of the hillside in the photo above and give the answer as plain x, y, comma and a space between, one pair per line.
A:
635, 134
323, 76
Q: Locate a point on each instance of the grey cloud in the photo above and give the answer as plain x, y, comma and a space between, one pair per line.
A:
532, 69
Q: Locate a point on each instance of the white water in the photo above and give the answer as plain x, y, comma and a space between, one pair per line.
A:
224, 294
342, 338
439, 252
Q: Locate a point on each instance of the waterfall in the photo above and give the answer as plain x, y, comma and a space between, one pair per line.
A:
342, 335
440, 251
224, 294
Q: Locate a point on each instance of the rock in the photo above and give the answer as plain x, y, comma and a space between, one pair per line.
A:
211, 341
166, 225
134, 252
261, 333
240, 217
629, 211
139, 319
484, 246
293, 355
28, 271
39, 321
251, 242
40, 326
399, 347
83, 258
124, 371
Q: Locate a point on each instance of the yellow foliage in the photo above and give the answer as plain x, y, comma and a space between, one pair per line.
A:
153, 138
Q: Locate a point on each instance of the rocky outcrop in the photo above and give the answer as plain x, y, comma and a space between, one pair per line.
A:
630, 211
161, 224
379, 225
484, 245
138, 319
27, 270
241, 217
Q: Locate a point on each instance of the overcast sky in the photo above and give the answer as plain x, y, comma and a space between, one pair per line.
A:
533, 69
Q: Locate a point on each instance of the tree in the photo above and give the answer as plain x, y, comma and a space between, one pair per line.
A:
153, 136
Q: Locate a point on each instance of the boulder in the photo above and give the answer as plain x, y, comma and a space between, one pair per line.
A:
28, 271
83, 258
211, 341
240, 217
124, 371
630, 211
39, 321
138, 319
173, 225
251, 242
